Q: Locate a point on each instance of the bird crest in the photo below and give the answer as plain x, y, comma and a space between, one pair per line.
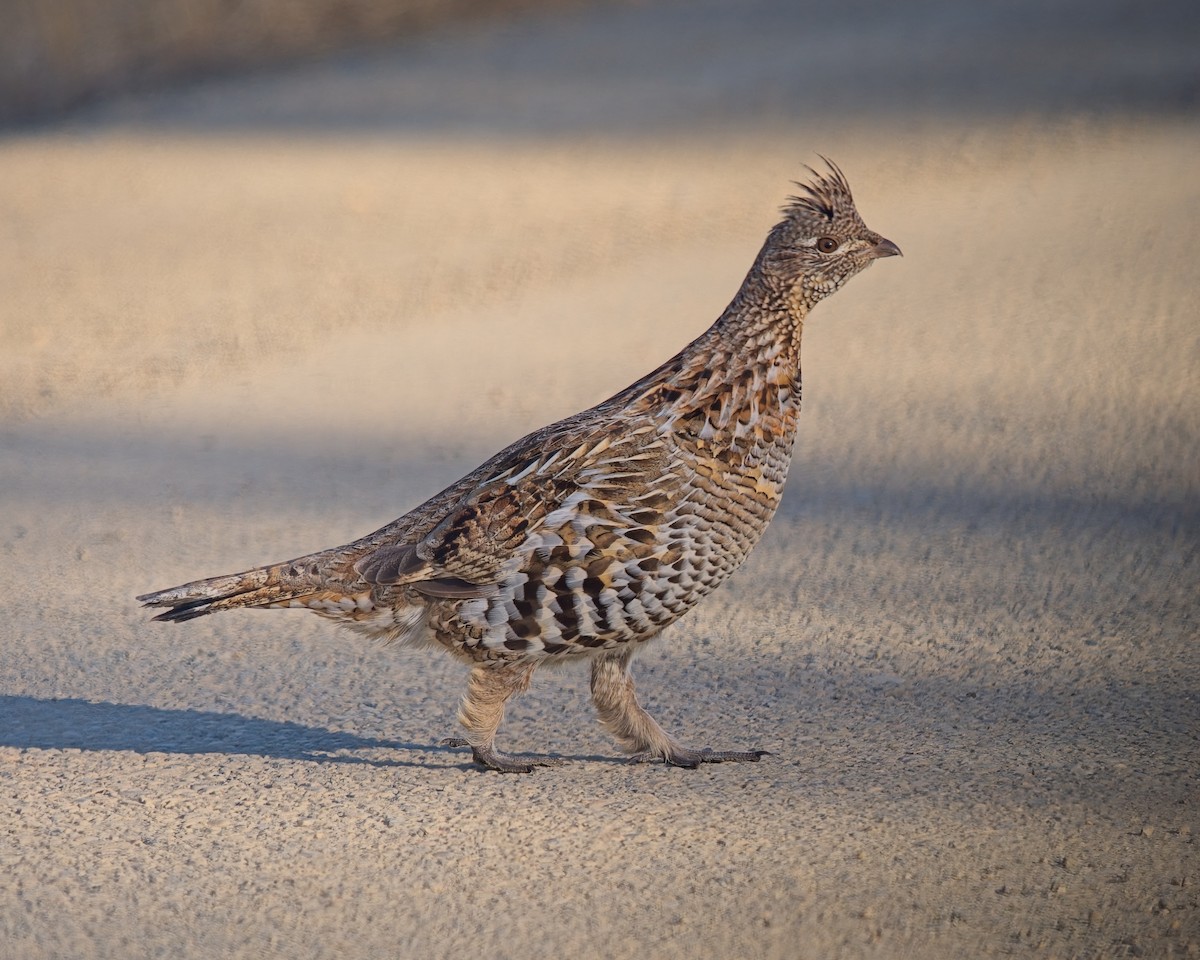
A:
826, 197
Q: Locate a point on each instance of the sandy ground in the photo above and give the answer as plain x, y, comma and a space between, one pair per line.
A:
262, 316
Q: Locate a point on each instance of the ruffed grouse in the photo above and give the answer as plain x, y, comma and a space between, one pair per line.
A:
587, 537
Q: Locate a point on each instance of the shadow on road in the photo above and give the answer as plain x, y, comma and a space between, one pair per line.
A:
73, 724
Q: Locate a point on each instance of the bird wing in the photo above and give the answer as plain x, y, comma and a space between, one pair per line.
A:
536, 484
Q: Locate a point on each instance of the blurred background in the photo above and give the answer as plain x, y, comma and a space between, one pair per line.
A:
58, 55
1064, 55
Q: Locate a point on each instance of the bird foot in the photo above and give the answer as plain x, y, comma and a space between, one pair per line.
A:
493, 759
691, 759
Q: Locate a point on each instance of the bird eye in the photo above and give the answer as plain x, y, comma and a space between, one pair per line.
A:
827, 244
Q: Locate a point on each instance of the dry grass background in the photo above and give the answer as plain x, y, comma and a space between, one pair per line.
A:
256, 316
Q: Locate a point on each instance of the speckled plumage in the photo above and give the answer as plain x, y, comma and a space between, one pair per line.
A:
587, 537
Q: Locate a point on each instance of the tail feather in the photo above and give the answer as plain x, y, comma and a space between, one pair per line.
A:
252, 588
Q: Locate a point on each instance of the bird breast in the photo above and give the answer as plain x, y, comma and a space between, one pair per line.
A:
662, 512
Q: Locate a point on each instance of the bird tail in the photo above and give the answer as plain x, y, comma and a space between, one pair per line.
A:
261, 587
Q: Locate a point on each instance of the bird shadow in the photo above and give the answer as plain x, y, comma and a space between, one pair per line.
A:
76, 724
30, 723
33, 723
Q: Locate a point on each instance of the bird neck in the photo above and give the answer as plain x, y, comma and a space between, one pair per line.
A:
753, 347
754, 343
764, 308
761, 327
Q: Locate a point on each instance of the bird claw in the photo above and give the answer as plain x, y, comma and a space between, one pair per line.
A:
493, 759
691, 759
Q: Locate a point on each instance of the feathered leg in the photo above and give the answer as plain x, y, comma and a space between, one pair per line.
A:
488, 690
634, 729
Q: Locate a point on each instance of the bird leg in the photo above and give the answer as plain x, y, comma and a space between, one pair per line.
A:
633, 728
490, 687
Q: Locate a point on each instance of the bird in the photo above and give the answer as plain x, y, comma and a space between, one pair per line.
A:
586, 538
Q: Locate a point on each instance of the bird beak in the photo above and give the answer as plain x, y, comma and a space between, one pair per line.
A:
885, 248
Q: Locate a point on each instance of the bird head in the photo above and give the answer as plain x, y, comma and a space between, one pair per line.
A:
822, 241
